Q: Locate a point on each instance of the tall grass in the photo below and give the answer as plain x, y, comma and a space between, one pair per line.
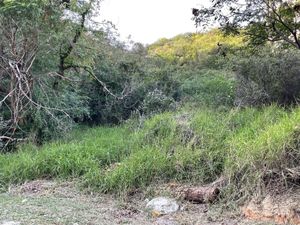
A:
93, 150
189, 146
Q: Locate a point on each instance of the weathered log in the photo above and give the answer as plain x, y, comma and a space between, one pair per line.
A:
202, 194
205, 194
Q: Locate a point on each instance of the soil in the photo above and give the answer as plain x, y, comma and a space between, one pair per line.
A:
282, 208
63, 203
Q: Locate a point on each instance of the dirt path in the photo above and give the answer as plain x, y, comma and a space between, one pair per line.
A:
48, 202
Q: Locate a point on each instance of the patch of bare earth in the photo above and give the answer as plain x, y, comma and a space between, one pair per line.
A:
49, 202
280, 209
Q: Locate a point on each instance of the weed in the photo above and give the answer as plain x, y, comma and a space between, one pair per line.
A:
190, 146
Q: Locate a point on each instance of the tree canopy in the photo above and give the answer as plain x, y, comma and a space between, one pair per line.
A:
40, 48
262, 20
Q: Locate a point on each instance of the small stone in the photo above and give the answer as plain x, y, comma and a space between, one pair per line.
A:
162, 206
10, 223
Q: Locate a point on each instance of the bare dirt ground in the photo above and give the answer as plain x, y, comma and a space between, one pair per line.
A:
55, 203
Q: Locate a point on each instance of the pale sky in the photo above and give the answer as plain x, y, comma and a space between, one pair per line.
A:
148, 20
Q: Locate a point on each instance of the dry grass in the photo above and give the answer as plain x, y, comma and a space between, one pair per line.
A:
46, 202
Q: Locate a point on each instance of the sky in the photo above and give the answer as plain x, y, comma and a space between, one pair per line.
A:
149, 20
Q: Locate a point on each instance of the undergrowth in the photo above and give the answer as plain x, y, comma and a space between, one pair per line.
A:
196, 146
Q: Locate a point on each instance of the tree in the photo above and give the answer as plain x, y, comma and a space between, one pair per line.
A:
262, 20
36, 45
19, 27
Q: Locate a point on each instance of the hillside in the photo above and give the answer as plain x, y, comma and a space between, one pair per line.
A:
196, 146
191, 46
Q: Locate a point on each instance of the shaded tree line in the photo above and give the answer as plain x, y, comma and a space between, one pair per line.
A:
58, 68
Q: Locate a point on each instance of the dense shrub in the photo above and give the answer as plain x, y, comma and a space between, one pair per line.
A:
210, 88
62, 109
156, 101
268, 76
146, 84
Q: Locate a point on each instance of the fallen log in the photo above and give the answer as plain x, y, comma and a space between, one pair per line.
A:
206, 194
201, 194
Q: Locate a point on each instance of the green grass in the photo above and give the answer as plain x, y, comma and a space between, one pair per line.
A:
264, 145
191, 145
187, 47
212, 88
92, 150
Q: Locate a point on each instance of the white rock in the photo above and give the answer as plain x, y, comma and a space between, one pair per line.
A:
10, 223
163, 205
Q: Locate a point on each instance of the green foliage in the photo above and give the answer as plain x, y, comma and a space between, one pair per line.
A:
199, 146
258, 151
100, 81
138, 170
94, 149
261, 21
35, 36
155, 102
23, 6
148, 85
268, 76
158, 130
210, 88
188, 47
64, 108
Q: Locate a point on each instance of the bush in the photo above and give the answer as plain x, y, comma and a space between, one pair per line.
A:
148, 84
156, 101
62, 109
210, 88
268, 76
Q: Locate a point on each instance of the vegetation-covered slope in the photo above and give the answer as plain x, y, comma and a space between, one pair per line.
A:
244, 145
193, 46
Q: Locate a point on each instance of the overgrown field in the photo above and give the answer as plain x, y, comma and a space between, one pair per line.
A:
248, 146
